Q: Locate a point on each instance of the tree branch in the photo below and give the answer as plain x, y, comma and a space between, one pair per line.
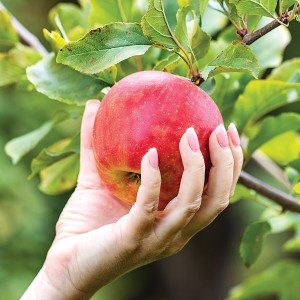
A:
286, 201
25, 35
250, 38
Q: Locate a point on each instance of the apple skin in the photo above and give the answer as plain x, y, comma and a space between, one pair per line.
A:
144, 110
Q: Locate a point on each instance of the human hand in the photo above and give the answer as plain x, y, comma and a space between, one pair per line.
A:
98, 238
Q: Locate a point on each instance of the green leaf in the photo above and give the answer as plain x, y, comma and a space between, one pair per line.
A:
62, 83
13, 64
54, 39
198, 38
203, 6
280, 280
227, 89
67, 16
292, 175
108, 11
188, 32
181, 28
286, 4
234, 14
284, 148
271, 127
252, 241
255, 7
109, 75
293, 244
104, 47
261, 97
20, 146
168, 64
269, 48
198, 6
286, 71
237, 57
8, 35
49, 156
61, 176
156, 27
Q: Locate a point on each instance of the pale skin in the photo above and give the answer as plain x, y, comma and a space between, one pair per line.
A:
98, 238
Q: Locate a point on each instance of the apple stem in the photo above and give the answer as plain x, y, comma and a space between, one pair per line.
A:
197, 79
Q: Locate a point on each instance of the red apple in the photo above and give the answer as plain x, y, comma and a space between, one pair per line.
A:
144, 110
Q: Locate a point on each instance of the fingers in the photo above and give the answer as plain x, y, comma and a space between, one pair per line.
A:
221, 173
88, 173
237, 153
226, 157
143, 212
182, 209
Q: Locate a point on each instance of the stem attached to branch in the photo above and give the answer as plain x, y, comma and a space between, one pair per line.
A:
25, 35
250, 38
281, 198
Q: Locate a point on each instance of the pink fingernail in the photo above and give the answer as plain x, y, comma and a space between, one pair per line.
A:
234, 135
222, 136
153, 158
193, 139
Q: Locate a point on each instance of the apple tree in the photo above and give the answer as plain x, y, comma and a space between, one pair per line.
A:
232, 49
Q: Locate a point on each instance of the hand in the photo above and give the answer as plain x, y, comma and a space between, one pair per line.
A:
98, 238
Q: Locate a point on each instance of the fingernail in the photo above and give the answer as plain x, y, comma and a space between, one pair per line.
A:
89, 102
234, 135
222, 136
193, 139
153, 158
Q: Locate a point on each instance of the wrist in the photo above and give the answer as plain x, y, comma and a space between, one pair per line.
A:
43, 288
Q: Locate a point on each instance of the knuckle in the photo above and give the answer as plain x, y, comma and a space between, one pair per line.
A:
154, 183
192, 208
222, 205
229, 163
150, 208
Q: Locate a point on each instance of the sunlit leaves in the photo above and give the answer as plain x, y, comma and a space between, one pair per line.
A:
104, 47
54, 39
284, 148
237, 57
271, 127
261, 97
61, 176
8, 35
62, 83
281, 279
288, 71
255, 7
252, 241
155, 25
